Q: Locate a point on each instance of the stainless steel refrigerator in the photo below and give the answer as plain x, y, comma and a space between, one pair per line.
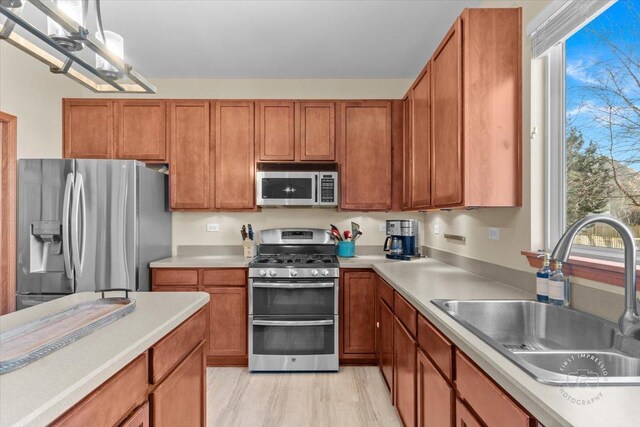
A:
87, 225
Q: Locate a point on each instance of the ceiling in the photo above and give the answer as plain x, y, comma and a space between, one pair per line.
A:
280, 39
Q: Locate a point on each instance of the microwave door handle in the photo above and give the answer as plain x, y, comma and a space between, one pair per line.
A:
292, 322
292, 285
315, 177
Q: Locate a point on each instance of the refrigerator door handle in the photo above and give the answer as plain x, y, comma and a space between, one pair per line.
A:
78, 207
66, 219
123, 223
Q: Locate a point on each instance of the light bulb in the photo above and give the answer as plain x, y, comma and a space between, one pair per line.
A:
73, 10
115, 44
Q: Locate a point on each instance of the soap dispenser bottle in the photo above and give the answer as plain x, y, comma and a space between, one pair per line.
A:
558, 292
542, 280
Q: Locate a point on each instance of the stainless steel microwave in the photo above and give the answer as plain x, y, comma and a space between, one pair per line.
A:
296, 188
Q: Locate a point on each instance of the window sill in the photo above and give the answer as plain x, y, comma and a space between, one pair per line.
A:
609, 272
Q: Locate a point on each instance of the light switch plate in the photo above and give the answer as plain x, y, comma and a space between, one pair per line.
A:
213, 227
436, 228
494, 233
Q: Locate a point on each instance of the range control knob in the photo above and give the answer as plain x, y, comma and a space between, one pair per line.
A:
262, 273
272, 273
325, 272
314, 273
293, 273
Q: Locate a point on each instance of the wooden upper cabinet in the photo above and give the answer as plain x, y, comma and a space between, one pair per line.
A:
446, 154
234, 155
359, 312
276, 130
492, 46
407, 163
317, 131
141, 129
421, 142
365, 155
190, 168
88, 128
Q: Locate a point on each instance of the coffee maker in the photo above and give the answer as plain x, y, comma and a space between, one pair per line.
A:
402, 239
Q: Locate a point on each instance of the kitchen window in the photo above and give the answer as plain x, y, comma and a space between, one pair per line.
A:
592, 51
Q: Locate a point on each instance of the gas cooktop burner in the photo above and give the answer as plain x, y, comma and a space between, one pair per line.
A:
294, 260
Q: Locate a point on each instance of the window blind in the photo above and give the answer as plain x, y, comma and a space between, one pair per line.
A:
560, 20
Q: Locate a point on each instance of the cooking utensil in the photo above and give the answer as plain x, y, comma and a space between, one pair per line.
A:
336, 232
356, 236
347, 235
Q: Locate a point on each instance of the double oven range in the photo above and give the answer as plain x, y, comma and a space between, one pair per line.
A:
293, 302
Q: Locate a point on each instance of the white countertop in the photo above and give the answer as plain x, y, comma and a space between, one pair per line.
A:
420, 281
40, 392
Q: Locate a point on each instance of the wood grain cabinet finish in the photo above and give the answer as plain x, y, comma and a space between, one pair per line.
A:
435, 397
407, 155
437, 346
492, 405
180, 399
114, 400
446, 156
406, 313
385, 341
140, 418
404, 374
359, 327
365, 155
276, 130
190, 168
88, 128
464, 417
224, 277
227, 324
173, 277
141, 129
234, 155
420, 142
317, 131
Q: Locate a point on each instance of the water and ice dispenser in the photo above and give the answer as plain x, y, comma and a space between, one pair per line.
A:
46, 247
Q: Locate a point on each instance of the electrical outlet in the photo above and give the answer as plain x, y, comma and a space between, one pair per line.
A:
213, 227
436, 228
382, 228
494, 233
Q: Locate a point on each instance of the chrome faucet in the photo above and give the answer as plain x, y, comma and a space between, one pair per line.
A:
629, 322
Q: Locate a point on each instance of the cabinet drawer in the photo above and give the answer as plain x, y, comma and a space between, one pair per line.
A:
405, 312
140, 418
174, 347
493, 405
464, 417
225, 277
437, 346
385, 292
162, 276
110, 403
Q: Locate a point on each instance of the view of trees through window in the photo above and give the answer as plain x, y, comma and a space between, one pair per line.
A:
603, 122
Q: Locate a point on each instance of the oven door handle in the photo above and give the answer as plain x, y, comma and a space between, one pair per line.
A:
293, 285
292, 322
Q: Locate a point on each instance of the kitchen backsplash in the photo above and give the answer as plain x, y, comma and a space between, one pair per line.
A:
189, 228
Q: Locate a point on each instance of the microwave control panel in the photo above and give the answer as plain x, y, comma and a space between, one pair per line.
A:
328, 188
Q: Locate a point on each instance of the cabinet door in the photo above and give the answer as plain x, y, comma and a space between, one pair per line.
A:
276, 130
317, 131
141, 129
446, 153
180, 400
88, 129
421, 142
365, 151
234, 155
385, 342
464, 417
359, 313
140, 418
227, 321
435, 397
404, 348
190, 173
407, 163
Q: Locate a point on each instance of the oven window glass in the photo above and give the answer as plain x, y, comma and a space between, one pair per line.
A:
273, 301
293, 340
288, 188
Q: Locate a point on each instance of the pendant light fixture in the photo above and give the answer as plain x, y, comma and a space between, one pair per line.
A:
65, 36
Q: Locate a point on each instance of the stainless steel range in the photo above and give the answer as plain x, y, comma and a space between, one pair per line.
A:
293, 302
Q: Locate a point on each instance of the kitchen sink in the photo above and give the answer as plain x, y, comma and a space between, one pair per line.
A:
555, 345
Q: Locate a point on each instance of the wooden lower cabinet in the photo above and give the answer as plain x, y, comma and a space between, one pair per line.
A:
385, 341
464, 417
180, 399
227, 337
404, 349
357, 311
435, 397
140, 418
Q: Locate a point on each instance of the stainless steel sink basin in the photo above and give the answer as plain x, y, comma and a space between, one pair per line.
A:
555, 345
